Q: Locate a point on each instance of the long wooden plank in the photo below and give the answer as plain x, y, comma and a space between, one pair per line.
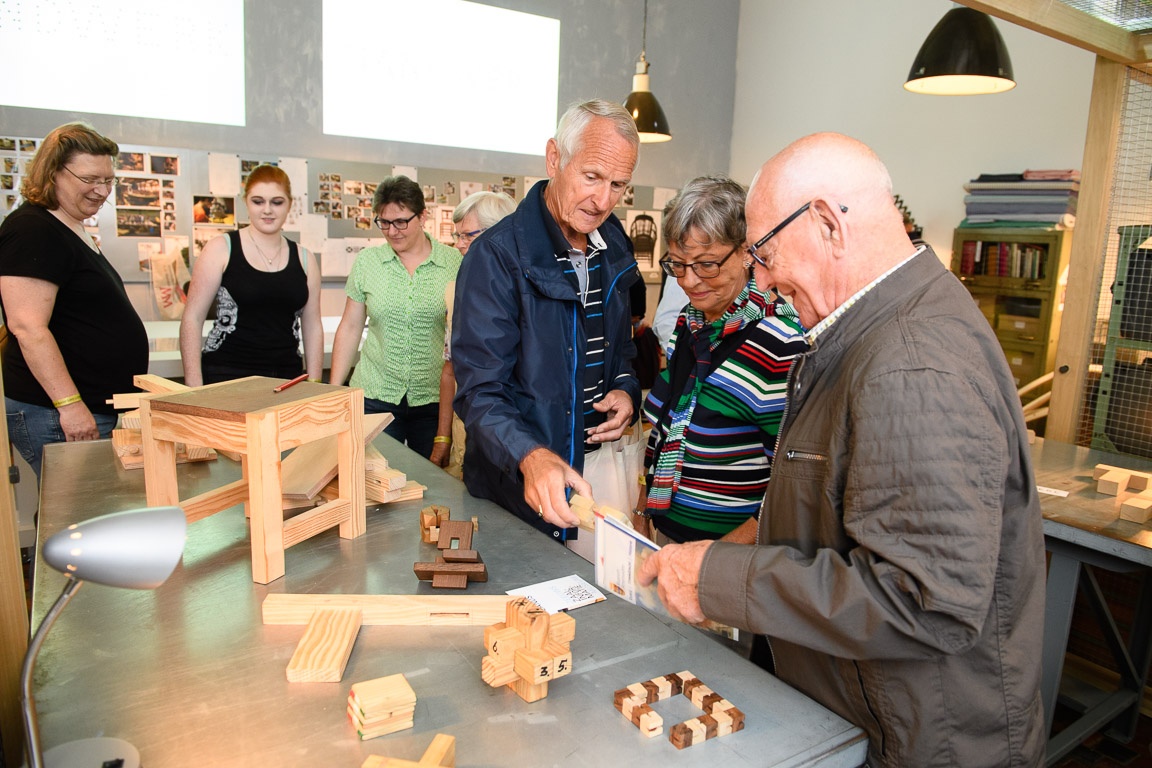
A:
391, 610
150, 382
323, 652
1071, 25
314, 521
13, 611
310, 466
210, 502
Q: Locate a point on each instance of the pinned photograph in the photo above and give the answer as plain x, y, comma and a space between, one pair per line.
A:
131, 161
137, 223
7, 144
168, 165
644, 229
27, 145
167, 183
200, 238
335, 177
320, 206
363, 222
219, 211
429, 193
354, 188
7, 181
11, 165
138, 192
369, 189
365, 202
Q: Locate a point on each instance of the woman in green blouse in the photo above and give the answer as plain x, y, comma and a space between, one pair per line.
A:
398, 289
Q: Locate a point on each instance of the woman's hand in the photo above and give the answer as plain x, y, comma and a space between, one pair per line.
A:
77, 423
440, 453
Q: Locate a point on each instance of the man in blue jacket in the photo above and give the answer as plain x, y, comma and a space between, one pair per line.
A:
542, 342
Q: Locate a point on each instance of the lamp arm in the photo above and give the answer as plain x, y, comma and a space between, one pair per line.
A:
31, 726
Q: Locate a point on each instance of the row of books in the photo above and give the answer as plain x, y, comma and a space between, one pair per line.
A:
1033, 198
1023, 260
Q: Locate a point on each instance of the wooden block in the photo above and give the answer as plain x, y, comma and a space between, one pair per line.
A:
533, 665
1137, 509
650, 723
130, 420
503, 641
455, 534
639, 691
441, 754
378, 495
584, 509
1113, 482
710, 726
380, 694
1139, 481
374, 461
620, 696
461, 556
676, 683
530, 692
496, 672
561, 628
723, 722
629, 706
310, 466
561, 658
737, 718
450, 581
323, 652
475, 523
681, 735
382, 726
412, 490
387, 479
530, 619
663, 686
698, 694
391, 610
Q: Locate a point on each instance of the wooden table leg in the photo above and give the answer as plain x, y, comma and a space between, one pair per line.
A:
350, 447
160, 484
264, 497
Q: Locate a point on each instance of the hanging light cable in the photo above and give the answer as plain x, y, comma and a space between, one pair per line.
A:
645, 110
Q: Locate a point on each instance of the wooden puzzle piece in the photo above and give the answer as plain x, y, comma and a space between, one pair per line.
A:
323, 652
523, 651
440, 754
720, 717
381, 706
1137, 509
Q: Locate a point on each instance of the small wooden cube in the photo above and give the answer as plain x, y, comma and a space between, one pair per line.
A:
1137, 509
1113, 482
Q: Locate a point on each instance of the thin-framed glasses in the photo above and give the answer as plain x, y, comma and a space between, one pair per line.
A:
703, 269
93, 181
469, 236
751, 250
400, 224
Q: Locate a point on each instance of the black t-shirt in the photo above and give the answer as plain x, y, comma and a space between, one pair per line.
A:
100, 336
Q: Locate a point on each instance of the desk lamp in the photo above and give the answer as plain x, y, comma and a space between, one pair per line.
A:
137, 549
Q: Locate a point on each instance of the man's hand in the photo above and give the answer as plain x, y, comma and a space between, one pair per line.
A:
676, 569
618, 405
546, 476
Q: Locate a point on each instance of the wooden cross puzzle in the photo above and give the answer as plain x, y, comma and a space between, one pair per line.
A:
528, 649
458, 563
720, 717
440, 754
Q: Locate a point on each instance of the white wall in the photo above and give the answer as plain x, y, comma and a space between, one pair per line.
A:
840, 65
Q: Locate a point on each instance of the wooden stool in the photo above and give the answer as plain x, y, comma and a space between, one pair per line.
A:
246, 416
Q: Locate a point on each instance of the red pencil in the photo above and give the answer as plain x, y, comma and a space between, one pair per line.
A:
287, 384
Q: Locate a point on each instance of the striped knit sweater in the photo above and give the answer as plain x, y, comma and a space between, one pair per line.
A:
729, 443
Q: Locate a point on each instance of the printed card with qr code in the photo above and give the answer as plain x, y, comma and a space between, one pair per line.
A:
561, 594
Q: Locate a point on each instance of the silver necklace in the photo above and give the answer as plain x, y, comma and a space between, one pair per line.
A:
264, 256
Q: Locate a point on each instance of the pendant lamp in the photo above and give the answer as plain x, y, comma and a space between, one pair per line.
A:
641, 104
963, 55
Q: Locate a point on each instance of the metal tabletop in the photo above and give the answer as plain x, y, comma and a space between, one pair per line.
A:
190, 675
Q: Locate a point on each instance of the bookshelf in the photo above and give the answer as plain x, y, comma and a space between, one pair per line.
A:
1017, 277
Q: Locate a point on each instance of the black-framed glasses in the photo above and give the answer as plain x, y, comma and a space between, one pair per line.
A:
458, 236
93, 181
701, 268
400, 224
751, 250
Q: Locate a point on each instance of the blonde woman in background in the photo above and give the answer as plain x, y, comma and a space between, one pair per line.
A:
472, 216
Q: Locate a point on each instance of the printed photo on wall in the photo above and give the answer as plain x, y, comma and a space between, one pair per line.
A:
131, 161
7, 144
220, 211
135, 222
644, 229
138, 192
167, 165
27, 145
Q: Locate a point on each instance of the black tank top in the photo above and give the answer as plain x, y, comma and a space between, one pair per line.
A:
257, 325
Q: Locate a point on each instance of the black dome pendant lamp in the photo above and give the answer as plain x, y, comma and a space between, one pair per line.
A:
641, 104
963, 55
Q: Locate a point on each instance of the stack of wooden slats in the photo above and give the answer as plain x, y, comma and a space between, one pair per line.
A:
381, 706
126, 439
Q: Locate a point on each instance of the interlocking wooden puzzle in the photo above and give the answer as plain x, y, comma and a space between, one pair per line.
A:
720, 717
458, 563
528, 649
381, 706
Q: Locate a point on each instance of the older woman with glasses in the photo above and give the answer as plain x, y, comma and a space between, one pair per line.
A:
398, 289
716, 409
75, 338
471, 218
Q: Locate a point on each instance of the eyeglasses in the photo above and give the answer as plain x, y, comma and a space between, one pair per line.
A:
751, 250
400, 224
701, 268
93, 181
458, 236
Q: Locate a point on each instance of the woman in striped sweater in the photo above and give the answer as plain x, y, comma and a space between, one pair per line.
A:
717, 408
